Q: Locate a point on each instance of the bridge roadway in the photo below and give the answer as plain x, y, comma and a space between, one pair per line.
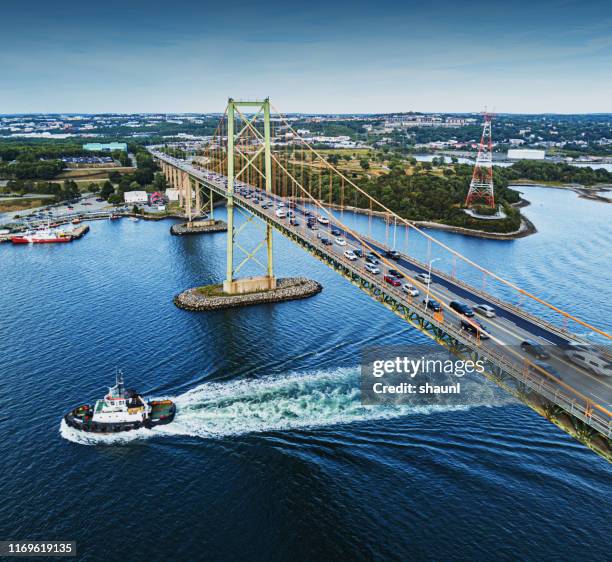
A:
575, 388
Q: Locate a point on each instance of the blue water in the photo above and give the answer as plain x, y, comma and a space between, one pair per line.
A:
272, 456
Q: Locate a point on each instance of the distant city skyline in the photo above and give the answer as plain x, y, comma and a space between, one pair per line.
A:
551, 56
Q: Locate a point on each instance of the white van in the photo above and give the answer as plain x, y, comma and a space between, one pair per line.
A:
590, 359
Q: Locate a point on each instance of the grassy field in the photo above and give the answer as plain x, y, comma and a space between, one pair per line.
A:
91, 174
21, 203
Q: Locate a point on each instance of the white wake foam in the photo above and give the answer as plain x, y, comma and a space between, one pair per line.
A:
293, 401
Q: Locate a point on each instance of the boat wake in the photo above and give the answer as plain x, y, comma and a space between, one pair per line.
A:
287, 402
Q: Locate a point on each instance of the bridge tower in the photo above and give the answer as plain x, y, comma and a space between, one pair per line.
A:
253, 143
481, 186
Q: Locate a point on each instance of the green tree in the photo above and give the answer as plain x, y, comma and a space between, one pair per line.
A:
107, 190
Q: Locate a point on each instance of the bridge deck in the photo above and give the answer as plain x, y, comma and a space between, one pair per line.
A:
578, 391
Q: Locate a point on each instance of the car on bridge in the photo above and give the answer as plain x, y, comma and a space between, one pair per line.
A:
281, 213
358, 253
462, 308
350, 255
590, 359
393, 254
396, 273
475, 328
535, 349
424, 277
369, 259
432, 304
485, 310
393, 281
326, 241
335, 231
411, 290
545, 366
371, 268
340, 241
294, 222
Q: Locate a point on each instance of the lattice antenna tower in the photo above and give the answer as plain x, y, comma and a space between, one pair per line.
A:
481, 187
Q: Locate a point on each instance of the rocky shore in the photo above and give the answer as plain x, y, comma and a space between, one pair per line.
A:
198, 227
212, 298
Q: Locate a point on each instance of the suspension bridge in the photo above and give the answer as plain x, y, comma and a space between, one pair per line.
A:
261, 167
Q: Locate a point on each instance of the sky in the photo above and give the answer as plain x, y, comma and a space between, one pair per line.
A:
519, 56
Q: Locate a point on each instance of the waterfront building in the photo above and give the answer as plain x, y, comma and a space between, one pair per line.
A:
135, 197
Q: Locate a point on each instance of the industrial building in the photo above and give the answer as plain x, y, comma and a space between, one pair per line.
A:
526, 154
135, 197
105, 147
172, 194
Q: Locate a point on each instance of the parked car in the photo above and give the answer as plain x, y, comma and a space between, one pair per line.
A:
485, 310
393, 281
534, 349
350, 255
371, 268
462, 308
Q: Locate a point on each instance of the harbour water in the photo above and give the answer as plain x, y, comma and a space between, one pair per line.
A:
272, 455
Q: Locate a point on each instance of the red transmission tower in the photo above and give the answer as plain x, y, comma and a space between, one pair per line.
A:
481, 186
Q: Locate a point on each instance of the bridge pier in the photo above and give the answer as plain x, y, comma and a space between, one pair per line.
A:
235, 291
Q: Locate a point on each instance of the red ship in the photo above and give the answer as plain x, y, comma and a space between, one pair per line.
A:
45, 236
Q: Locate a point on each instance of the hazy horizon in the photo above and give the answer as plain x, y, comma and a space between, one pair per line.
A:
547, 57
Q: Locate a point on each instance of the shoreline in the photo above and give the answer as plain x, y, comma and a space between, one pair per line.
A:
592, 193
526, 229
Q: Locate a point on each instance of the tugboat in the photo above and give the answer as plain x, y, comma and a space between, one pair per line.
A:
120, 410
